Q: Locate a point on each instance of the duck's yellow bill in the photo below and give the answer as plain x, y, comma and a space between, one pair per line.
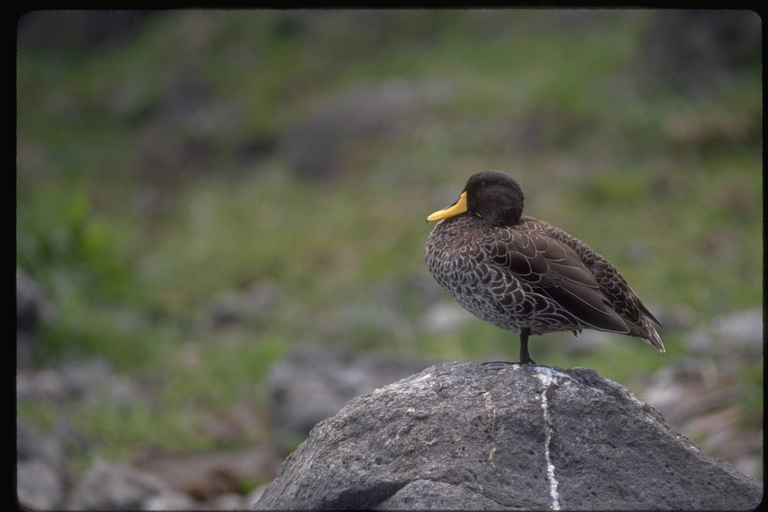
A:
456, 208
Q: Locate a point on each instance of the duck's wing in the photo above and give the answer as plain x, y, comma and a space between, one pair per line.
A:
623, 299
553, 269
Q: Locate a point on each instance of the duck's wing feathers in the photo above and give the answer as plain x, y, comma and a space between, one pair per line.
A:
553, 269
623, 299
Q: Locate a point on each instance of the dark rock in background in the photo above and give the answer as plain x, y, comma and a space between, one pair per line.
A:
309, 386
317, 147
505, 436
699, 50
33, 307
252, 306
57, 29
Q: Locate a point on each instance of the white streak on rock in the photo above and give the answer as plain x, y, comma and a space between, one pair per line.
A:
490, 409
547, 379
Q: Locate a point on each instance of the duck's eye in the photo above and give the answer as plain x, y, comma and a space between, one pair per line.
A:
482, 184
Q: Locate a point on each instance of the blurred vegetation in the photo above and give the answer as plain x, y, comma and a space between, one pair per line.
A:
150, 178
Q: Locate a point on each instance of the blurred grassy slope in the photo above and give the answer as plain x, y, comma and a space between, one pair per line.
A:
139, 195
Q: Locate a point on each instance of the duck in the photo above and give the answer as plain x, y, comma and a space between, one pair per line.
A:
525, 275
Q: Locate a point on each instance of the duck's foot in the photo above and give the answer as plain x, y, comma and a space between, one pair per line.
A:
525, 357
508, 362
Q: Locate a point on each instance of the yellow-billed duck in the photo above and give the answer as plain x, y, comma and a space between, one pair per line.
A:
525, 275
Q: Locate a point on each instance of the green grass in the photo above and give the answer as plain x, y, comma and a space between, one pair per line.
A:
665, 186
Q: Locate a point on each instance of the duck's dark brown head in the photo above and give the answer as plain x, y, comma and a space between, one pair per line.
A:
492, 196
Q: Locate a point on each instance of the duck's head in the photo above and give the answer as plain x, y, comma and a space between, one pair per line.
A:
492, 196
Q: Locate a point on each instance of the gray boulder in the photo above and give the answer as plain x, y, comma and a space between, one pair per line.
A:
503, 436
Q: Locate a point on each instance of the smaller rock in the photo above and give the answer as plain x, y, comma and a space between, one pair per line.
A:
83, 375
114, 486
170, 500
253, 305
207, 475
33, 307
91, 379
39, 486
31, 444
739, 333
32, 304
46, 383
229, 501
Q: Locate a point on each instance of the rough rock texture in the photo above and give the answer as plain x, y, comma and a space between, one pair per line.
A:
503, 436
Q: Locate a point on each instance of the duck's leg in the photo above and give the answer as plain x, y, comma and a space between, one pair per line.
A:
525, 358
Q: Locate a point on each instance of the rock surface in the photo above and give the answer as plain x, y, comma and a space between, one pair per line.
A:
503, 436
